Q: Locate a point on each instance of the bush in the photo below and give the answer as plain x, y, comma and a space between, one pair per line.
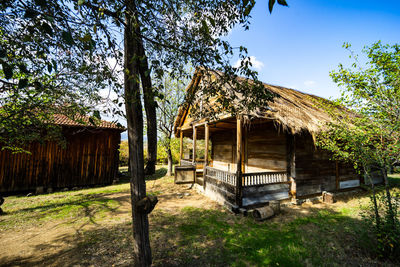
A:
387, 233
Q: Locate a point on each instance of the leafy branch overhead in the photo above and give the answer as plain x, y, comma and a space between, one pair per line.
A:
55, 56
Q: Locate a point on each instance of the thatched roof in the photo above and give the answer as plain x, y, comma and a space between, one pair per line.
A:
293, 110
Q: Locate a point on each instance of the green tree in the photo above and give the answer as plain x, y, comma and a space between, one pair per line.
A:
368, 132
172, 98
70, 43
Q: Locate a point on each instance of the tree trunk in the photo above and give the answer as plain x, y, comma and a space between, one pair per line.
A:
150, 107
377, 217
135, 138
388, 195
169, 157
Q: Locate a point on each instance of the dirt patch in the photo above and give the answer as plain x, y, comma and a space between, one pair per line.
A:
52, 242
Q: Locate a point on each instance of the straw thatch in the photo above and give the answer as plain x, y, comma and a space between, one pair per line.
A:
293, 110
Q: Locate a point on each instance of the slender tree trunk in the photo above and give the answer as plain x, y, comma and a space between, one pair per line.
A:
388, 195
169, 157
150, 107
135, 138
377, 217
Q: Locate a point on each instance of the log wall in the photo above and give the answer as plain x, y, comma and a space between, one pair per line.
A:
266, 148
223, 148
316, 172
90, 158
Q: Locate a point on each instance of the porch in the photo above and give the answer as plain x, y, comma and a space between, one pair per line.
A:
235, 184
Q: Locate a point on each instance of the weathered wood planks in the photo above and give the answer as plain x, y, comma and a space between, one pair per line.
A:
89, 158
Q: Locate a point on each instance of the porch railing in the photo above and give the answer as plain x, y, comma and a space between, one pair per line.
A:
261, 178
224, 176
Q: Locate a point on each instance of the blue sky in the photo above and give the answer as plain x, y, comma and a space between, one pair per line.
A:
298, 46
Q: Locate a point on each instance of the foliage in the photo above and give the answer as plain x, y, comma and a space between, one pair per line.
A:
49, 65
388, 230
368, 131
124, 153
162, 156
365, 129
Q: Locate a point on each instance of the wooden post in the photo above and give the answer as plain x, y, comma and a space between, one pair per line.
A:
206, 137
194, 145
291, 163
181, 147
244, 150
239, 162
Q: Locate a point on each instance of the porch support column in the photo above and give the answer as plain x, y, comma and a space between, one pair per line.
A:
291, 164
206, 138
180, 147
239, 161
194, 145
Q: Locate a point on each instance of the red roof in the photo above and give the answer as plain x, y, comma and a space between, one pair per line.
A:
85, 121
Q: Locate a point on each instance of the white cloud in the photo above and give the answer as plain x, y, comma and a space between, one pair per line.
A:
258, 65
310, 83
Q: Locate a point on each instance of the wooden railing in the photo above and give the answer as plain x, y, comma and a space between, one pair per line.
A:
224, 176
262, 178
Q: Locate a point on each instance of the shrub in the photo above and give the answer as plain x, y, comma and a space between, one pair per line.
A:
387, 227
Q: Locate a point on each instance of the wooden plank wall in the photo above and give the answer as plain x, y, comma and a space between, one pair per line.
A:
219, 191
262, 194
223, 148
90, 158
266, 148
315, 171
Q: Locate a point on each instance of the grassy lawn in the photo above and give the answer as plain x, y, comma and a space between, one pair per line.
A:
185, 234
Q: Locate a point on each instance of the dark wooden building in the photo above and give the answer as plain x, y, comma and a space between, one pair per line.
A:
261, 156
90, 157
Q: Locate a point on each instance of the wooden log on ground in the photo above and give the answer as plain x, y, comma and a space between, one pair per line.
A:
275, 206
263, 213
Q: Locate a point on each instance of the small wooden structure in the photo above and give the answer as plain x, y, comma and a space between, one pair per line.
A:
260, 157
90, 158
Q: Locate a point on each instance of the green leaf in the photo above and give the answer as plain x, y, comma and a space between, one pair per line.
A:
87, 37
67, 36
47, 29
282, 2
30, 13
8, 71
22, 83
81, 2
96, 114
3, 53
271, 4
41, 3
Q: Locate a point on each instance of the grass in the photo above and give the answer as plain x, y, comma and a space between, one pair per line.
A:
329, 236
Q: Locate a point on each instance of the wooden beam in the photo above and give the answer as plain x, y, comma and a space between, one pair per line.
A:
194, 145
206, 138
291, 162
239, 139
206, 141
181, 147
244, 150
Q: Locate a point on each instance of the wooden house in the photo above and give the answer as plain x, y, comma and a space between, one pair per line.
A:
261, 156
90, 157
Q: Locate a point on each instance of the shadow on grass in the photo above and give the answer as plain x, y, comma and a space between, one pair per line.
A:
80, 206
198, 237
160, 173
